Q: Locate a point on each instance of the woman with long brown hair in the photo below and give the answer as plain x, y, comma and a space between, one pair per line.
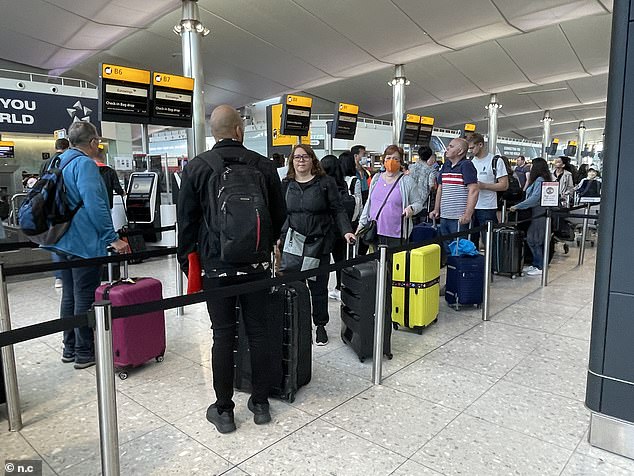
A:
315, 217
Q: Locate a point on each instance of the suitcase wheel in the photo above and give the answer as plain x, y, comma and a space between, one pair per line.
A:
123, 375
361, 359
395, 326
513, 276
389, 356
419, 330
159, 358
434, 321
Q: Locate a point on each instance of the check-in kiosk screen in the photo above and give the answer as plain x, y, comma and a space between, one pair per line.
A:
141, 185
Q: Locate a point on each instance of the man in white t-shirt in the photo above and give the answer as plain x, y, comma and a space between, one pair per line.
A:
491, 179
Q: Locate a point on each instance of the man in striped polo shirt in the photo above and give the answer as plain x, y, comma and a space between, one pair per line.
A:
457, 192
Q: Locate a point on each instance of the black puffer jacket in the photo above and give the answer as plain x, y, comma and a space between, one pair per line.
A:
315, 211
193, 205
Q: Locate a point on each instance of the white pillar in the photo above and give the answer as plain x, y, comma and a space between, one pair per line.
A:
581, 138
191, 31
546, 133
398, 101
493, 108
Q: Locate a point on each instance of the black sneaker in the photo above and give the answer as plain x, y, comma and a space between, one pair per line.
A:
261, 413
223, 421
85, 364
67, 359
321, 338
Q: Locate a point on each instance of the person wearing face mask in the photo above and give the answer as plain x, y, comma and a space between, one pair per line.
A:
362, 161
396, 196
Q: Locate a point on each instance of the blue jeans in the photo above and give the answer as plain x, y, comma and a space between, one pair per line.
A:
446, 227
480, 217
535, 240
78, 294
57, 259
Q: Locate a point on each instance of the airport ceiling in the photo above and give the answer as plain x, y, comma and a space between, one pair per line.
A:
537, 54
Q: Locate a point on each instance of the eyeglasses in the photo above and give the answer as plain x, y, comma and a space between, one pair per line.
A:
301, 157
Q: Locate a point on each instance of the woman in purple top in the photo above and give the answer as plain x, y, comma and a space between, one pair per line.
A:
396, 196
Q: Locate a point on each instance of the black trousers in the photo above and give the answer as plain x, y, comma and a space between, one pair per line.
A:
338, 255
318, 286
222, 312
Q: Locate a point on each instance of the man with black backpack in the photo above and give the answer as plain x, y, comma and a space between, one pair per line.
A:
230, 212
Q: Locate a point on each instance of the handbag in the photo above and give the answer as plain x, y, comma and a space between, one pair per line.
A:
369, 234
300, 253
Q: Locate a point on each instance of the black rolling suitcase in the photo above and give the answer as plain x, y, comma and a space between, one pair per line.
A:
508, 251
358, 287
290, 334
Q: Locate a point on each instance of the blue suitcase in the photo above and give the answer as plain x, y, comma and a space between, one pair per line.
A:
465, 281
423, 232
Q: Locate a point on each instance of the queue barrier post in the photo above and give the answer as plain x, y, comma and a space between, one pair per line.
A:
8, 360
106, 391
488, 252
379, 316
547, 233
584, 236
179, 277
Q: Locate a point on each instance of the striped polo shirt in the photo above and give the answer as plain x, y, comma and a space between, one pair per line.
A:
454, 180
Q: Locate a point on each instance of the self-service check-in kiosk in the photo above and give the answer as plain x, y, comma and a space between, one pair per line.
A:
142, 203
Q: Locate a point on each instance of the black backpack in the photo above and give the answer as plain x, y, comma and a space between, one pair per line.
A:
513, 194
239, 212
45, 215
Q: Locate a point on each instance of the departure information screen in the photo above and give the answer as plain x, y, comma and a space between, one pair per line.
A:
124, 94
172, 100
7, 150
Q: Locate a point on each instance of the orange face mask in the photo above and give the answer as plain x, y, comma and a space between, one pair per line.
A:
392, 165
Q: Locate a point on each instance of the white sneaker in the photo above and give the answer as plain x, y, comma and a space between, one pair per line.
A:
335, 295
534, 272
58, 283
526, 269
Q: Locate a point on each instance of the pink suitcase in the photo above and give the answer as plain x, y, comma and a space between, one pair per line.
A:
137, 339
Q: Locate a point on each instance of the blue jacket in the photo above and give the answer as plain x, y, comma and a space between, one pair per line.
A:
91, 230
533, 195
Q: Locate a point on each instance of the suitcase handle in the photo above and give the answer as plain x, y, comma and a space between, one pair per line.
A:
125, 275
355, 249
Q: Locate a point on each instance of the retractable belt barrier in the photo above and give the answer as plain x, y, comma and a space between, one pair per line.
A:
5, 247
50, 327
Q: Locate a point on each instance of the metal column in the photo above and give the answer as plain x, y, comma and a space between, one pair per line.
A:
106, 391
546, 133
8, 360
492, 109
488, 248
398, 101
191, 31
584, 236
581, 139
379, 316
547, 233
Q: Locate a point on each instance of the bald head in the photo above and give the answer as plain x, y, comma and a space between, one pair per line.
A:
457, 149
226, 123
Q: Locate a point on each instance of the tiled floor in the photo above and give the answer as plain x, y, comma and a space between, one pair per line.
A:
466, 397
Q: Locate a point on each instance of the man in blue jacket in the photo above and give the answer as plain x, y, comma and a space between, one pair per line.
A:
88, 236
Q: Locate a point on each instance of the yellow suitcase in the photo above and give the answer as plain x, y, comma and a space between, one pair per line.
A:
416, 288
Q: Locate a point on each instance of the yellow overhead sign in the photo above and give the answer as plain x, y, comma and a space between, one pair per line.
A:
301, 101
572, 142
556, 141
123, 73
412, 118
172, 81
428, 121
7, 143
348, 108
469, 127
278, 139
